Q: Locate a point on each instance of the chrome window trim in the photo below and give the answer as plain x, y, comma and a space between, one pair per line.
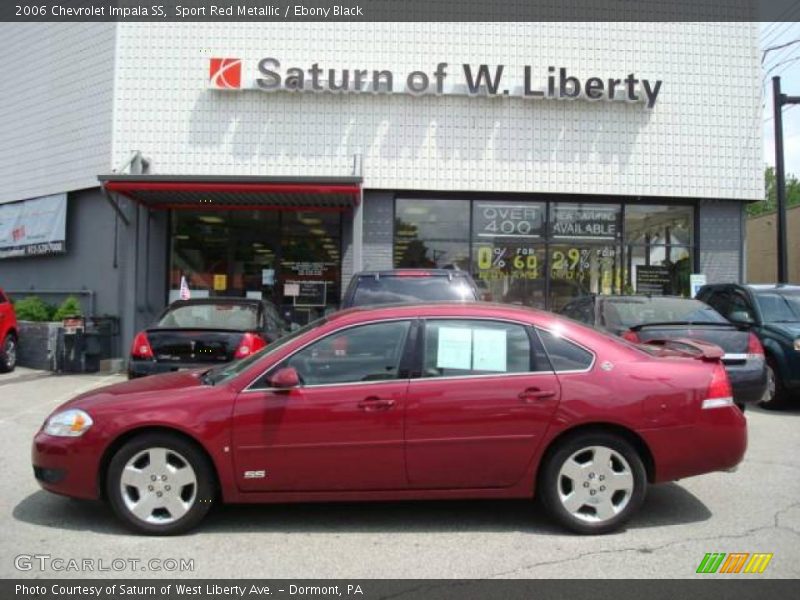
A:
249, 386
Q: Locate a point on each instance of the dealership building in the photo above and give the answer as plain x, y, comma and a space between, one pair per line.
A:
274, 160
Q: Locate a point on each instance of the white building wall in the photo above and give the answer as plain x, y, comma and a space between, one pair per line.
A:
702, 139
56, 100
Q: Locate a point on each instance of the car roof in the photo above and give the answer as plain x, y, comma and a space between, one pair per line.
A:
414, 271
441, 309
762, 287
215, 300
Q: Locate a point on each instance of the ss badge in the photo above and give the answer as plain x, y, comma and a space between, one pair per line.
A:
255, 474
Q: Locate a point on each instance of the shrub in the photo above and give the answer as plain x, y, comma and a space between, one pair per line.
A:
71, 307
31, 308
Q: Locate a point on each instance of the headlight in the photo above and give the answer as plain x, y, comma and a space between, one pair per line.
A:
70, 423
797, 344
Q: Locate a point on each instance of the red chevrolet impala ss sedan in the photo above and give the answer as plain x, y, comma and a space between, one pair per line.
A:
414, 402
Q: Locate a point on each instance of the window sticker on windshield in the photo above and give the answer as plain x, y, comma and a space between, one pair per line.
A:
455, 348
489, 350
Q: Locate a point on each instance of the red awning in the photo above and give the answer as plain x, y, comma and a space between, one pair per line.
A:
237, 193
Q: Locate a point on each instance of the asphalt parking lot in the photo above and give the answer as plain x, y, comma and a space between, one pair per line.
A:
756, 509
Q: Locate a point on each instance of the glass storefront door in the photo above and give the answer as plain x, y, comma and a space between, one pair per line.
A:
292, 259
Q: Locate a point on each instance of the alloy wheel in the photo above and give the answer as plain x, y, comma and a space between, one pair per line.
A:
595, 484
772, 387
10, 352
158, 486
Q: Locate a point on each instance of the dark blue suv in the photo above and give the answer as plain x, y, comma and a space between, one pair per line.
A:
773, 314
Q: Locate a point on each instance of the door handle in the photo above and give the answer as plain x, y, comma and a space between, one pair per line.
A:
533, 394
373, 403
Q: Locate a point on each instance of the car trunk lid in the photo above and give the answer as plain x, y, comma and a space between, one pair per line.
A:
734, 342
193, 346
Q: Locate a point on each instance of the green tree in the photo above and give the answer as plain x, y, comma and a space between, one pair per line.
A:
771, 194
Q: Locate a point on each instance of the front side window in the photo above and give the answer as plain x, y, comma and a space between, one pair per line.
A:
365, 353
455, 347
565, 355
779, 307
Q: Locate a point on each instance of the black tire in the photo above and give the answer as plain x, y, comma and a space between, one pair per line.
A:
779, 398
177, 446
551, 484
8, 353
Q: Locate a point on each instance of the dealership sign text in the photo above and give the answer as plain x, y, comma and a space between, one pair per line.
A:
470, 80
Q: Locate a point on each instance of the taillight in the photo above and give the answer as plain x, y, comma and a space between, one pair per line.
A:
754, 347
719, 392
631, 336
250, 343
141, 346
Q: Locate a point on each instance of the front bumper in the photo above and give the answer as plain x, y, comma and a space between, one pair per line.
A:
67, 466
717, 441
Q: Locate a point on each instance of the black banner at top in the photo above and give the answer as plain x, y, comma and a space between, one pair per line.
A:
393, 10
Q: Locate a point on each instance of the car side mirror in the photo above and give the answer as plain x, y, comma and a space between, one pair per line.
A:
285, 379
741, 317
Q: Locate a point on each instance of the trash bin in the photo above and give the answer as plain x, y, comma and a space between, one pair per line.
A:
100, 337
73, 345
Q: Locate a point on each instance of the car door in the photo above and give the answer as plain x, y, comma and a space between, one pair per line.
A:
5, 316
341, 429
481, 406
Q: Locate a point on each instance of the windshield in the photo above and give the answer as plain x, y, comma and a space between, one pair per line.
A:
241, 317
628, 312
399, 290
779, 307
224, 373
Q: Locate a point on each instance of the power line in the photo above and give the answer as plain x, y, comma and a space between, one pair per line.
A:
772, 48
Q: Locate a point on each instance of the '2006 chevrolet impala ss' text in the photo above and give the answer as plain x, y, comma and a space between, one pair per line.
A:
404, 402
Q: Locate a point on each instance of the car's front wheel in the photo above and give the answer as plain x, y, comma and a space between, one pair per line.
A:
8, 354
160, 484
592, 483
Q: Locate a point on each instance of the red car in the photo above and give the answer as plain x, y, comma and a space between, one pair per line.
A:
413, 402
8, 335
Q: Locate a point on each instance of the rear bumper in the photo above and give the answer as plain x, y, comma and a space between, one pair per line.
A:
748, 380
142, 368
716, 442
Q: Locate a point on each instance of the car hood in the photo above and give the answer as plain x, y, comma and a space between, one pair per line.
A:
790, 330
138, 388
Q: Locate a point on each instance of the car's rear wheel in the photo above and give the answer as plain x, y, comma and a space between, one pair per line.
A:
160, 484
8, 354
776, 395
592, 483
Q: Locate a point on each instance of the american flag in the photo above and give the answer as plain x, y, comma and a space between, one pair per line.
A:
185, 293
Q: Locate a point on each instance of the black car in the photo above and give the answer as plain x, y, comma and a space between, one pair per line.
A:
642, 319
404, 286
772, 312
204, 332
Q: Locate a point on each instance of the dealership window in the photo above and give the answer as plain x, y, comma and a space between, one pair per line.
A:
292, 259
508, 250
545, 254
659, 249
584, 251
432, 233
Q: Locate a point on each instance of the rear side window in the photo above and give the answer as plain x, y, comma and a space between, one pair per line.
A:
456, 347
403, 290
565, 355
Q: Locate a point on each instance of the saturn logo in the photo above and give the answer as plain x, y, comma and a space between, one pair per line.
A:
225, 73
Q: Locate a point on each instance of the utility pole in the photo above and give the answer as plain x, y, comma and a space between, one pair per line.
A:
778, 100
